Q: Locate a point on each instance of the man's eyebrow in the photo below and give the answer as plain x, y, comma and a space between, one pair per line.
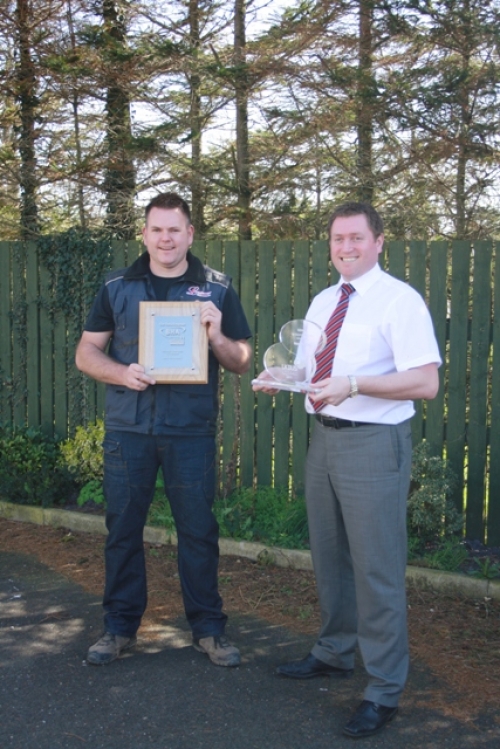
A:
347, 234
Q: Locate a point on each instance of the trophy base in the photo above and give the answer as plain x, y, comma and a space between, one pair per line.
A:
292, 387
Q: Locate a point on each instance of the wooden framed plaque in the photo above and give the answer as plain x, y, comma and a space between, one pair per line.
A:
173, 343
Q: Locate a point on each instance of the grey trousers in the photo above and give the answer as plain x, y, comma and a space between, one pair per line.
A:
357, 481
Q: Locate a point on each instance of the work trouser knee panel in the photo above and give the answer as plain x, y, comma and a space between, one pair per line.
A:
189, 476
190, 465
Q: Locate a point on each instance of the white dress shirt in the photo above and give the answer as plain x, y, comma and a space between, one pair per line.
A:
387, 329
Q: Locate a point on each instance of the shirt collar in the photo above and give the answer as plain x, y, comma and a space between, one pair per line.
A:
364, 282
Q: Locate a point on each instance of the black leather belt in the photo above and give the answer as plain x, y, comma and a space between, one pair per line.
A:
331, 421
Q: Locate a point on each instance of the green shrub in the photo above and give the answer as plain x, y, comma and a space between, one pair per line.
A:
92, 492
160, 513
448, 556
30, 468
486, 569
264, 514
83, 456
432, 516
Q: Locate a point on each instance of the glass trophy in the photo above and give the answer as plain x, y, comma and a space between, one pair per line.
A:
291, 363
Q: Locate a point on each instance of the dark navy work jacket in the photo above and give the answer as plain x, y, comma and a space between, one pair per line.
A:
160, 409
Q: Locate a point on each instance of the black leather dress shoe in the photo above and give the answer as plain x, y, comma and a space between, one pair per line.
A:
309, 667
368, 719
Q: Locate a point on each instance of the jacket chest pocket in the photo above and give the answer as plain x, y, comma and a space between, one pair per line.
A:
127, 322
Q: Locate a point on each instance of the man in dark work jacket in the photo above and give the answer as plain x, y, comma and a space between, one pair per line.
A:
149, 425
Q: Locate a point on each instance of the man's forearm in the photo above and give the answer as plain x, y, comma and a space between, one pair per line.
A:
91, 359
421, 382
235, 356
97, 364
413, 384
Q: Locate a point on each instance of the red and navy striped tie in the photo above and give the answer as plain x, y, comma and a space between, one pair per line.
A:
324, 359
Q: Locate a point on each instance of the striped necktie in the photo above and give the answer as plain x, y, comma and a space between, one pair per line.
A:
324, 359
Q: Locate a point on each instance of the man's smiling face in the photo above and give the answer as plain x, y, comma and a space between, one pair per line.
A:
354, 249
167, 236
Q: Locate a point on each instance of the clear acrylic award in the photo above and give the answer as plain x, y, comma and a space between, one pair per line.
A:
291, 363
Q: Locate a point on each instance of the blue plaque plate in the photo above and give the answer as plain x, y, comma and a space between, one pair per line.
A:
173, 343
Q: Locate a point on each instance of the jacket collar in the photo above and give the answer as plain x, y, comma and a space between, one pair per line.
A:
140, 268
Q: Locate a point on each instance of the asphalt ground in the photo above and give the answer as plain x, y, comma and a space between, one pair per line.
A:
165, 695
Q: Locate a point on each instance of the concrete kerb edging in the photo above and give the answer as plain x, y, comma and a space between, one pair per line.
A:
78, 521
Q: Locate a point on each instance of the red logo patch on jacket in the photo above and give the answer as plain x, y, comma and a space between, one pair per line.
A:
196, 291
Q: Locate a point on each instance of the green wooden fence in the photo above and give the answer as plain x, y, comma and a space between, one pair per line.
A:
263, 441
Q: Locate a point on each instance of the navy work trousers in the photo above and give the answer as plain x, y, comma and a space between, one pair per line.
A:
131, 464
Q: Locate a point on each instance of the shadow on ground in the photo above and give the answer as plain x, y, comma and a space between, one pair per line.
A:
165, 695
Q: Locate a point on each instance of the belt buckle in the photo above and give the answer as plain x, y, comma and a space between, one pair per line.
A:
331, 422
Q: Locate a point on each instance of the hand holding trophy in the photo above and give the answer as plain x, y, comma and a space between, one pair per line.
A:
290, 364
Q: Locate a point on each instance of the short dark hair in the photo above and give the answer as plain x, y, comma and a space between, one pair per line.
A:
352, 208
168, 200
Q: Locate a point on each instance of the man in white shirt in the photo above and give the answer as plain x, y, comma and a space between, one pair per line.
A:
358, 466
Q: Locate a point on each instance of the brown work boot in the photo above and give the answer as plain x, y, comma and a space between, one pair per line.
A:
108, 648
219, 650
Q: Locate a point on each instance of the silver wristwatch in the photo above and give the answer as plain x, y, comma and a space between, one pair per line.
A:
354, 387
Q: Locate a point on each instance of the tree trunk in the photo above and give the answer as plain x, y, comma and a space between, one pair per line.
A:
365, 103
197, 200
120, 171
26, 96
242, 141
463, 134
76, 121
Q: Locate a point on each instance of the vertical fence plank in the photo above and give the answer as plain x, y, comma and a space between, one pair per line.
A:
85, 386
300, 419
81, 402
319, 267
214, 255
46, 355
230, 396
60, 378
416, 278
248, 295
5, 333
265, 335
395, 260
33, 336
119, 250
434, 422
457, 384
19, 348
199, 248
135, 249
479, 364
493, 518
417, 265
282, 401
